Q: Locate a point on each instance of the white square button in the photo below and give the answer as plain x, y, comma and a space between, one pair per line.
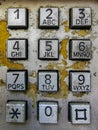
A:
80, 49
17, 80
16, 111
48, 49
17, 49
80, 18
17, 18
48, 112
48, 80
49, 18
80, 81
79, 113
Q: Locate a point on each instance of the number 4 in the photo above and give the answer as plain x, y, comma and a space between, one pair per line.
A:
16, 45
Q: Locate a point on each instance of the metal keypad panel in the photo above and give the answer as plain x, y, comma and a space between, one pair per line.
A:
48, 65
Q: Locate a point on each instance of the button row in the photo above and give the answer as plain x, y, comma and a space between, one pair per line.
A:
48, 112
80, 18
48, 49
48, 80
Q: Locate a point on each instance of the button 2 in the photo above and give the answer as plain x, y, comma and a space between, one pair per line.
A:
80, 49
17, 18
17, 80
80, 18
48, 112
48, 49
49, 18
48, 80
80, 81
17, 49
16, 111
79, 113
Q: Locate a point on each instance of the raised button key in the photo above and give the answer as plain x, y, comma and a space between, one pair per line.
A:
17, 49
17, 18
80, 49
48, 49
16, 111
49, 18
80, 81
48, 112
80, 18
48, 80
17, 80
79, 113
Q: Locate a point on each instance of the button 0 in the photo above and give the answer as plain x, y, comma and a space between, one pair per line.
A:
17, 18
79, 113
48, 112
17, 49
48, 49
48, 80
80, 49
16, 111
80, 81
17, 80
80, 18
49, 18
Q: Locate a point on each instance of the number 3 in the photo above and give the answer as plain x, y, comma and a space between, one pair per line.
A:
82, 14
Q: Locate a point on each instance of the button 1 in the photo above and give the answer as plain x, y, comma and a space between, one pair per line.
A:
48, 49
80, 18
79, 113
16, 111
49, 18
17, 49
80, 81
17, 18
48, 112
80, 49
48, 80
17, 80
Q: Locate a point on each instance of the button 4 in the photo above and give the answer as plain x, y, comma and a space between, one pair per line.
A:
80, 49
79, 113
17, 18
49, 18
48, 80
16, 111
48, 49
17, 80
80, 18
80, 81
47, 112
17, 49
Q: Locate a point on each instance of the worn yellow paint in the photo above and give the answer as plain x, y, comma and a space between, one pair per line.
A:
63, 50
81, 33
2, 83
4, 35
80, 65
66, 26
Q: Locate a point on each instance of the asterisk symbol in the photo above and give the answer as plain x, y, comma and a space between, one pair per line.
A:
15, 113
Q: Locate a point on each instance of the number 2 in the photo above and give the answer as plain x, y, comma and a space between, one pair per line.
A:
50, 12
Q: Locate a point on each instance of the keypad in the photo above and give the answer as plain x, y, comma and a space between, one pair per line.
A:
49, 18
17, 18
17, 49
79, 113
80, 49
80, 18
49, 80
16, 111
48, 49
48, 112
17, 80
